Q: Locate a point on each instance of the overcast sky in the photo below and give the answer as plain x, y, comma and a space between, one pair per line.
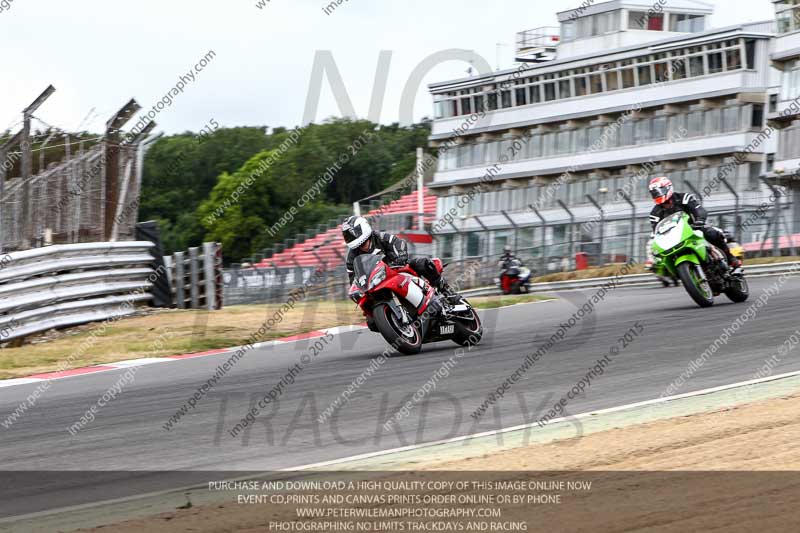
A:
99, 53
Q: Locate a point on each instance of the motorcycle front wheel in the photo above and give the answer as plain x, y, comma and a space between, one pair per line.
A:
406, 339
695, 284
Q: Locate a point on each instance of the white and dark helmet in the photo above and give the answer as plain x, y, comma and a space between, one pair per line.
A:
356, 230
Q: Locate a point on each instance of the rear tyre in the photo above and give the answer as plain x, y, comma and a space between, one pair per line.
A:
738, 291
405, 339
698, 288
516, 288
468, 329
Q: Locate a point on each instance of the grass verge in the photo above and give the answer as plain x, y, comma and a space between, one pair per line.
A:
167, 332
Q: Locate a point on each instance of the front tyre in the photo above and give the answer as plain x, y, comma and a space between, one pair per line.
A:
468, 328
405, 339
738, 291
516, 287
695, 284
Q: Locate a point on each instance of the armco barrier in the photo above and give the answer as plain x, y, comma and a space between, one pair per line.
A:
70, 284
773, 269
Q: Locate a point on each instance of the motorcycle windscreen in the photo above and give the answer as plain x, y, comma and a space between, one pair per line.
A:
363, 267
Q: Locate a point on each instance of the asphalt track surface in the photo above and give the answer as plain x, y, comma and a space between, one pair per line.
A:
128, 434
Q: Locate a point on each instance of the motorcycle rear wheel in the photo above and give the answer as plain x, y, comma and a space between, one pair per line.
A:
405, 339
738, 291
469, 331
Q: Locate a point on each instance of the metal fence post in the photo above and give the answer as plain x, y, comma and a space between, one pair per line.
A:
209, 260
194, 275
180, 279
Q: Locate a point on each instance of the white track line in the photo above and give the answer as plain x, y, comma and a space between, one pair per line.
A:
397, 450
655, 401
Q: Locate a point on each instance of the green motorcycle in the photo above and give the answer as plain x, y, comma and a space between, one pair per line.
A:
703, 268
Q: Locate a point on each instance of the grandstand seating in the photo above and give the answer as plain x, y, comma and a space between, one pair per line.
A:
328, 243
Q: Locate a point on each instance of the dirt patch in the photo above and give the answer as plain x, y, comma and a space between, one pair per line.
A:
649, 477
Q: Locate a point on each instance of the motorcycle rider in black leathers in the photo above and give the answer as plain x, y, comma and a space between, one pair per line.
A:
506, 258
361, 239
669, 202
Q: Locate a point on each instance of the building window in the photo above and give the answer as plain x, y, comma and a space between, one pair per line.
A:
438, 110
568, 31
655, 23
637, 20
492, 155
754, 171
791, 81
628, 78
626, 133
536, 96
713, 121
491, 100
581, 88
659, 129
686, 23
691, 178
677, 126
644, 75
549, 91
474, 244
521, 96
730, 119
662, 72
695, 123
579, 140
478, 154
733, 58
757, 117
642, 131
595, 133
466, 107
564, 89
612, 80
750, 53
563, 142
678, 68
548, 144
505, 99
534, 148
479, 103
464, 155
696, 66
597, 83
715, 62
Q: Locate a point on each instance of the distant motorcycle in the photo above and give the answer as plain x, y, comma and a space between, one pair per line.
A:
399, 304
702, 267
515, 278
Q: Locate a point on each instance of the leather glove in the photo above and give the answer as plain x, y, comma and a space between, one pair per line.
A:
699, 224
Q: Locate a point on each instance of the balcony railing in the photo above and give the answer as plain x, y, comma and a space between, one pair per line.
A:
538, 42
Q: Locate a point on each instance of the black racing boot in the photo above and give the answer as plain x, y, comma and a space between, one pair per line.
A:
444, 288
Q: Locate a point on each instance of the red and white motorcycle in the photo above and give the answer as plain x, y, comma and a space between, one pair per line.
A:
401, 306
